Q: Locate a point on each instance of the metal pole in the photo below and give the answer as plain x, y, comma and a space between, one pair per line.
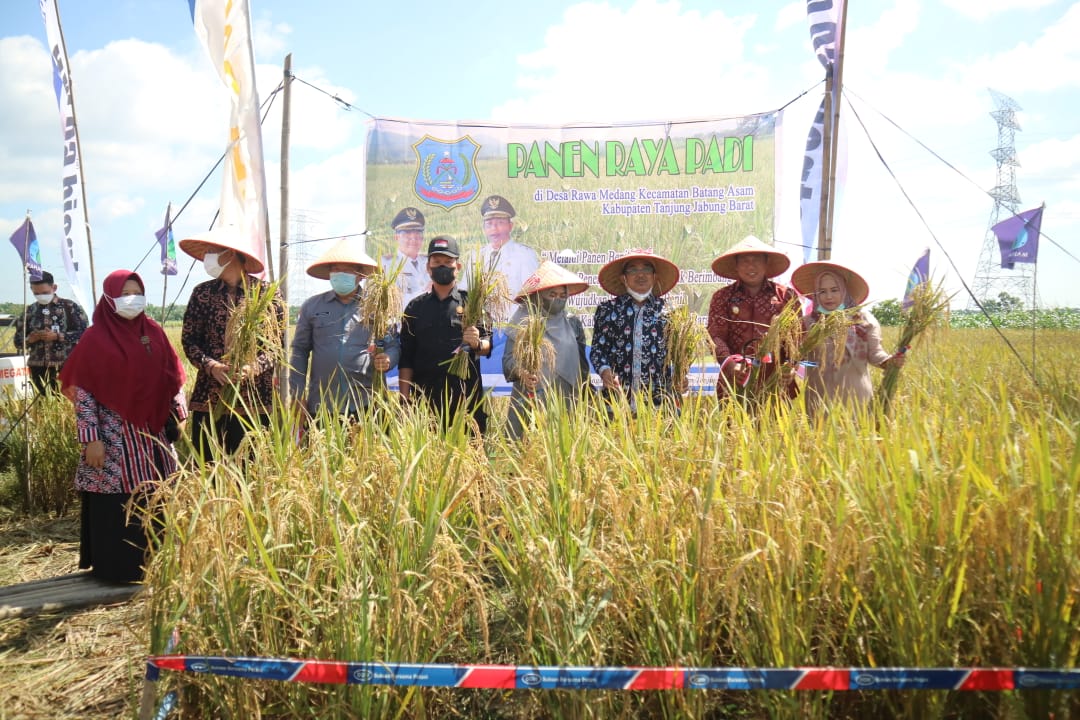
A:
283, 231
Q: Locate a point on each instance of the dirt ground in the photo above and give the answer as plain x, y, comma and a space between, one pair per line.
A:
85, 663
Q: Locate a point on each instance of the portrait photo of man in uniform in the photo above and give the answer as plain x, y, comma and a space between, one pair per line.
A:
408, 227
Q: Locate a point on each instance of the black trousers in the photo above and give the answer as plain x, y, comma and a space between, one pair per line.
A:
44, 378
228, 429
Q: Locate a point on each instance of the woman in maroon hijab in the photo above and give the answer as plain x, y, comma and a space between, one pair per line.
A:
126, 382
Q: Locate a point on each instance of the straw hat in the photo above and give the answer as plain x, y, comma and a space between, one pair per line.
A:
550, 275
804, 279
345, 252
227, 237
776, 261
667, 274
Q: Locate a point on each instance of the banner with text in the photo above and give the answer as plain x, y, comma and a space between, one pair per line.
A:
582, 195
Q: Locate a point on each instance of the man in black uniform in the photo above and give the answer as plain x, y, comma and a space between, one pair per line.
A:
431, 332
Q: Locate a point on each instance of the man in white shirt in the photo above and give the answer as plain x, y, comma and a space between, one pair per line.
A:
514, 260
408, 227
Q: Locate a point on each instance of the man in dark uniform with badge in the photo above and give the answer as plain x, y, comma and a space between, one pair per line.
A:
47, 331
432, 332
408, 227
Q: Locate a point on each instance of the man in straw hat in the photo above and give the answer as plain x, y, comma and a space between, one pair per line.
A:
408, 227
740, 313
566, 375
629, 349
835, 288
332, 341
226, 260
432, 333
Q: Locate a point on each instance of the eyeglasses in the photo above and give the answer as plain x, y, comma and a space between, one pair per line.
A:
638, 271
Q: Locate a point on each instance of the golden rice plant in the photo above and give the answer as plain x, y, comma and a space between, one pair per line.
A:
929, 308
255, 329
532, 352
687, 342
778, 347
380, 310
485, 303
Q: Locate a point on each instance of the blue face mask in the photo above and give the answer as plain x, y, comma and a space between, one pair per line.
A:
343, 283
823, 311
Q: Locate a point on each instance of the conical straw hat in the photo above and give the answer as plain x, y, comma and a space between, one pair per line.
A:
804, 279
776, 261
666, 273
227, 237
345, 252
550, 275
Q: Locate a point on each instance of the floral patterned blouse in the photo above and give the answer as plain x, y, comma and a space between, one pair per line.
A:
133, 455
629, 339
738, 320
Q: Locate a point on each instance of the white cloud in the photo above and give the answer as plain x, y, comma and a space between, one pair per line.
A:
792, 14
983, 9
270, 39
117, 206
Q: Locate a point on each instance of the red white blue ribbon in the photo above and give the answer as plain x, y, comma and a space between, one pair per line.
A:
524, 677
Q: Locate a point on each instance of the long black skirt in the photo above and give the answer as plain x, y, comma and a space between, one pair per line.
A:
112, 545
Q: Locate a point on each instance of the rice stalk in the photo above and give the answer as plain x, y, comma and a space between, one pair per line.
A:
485, 304
255, 329
380, 309
687, 341
532, 352
778, 347
929, 307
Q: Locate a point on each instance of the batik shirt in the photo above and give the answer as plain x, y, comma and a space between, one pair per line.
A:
133, 455
66, 316
629, 339
738, 320
203, 339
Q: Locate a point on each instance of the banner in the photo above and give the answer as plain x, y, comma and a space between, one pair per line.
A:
824, 17
224, 27
920, 274
581, 195
76, 248
26, 244
168, 245
1018, 237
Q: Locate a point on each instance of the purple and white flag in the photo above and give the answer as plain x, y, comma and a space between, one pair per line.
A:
168, 245
26, 244
76, 246
1018, 237
920, 274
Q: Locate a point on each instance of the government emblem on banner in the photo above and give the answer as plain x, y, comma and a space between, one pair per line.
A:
446, 171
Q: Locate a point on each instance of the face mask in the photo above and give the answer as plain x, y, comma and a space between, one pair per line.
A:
43, 298
343, 283
823, 311
640, 297
211, 265
442, 275
129, 306
555, 306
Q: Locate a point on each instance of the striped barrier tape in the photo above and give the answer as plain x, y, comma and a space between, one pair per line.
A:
525, 677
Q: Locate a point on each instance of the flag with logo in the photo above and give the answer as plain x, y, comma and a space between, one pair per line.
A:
168, 246
1018, 237
919, 275
224, 27
25, 241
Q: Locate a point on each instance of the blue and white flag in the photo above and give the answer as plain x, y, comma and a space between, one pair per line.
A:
26, 244
1018, 237
224, 27
76, 246
825, 17
920, 274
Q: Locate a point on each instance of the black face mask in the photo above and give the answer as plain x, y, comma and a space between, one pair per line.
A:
442, 275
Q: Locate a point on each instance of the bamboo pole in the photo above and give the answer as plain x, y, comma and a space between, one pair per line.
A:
24, 481
165, 275
283, 232
834, 99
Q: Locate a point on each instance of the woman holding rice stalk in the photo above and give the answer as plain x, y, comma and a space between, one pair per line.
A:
225, 361
841, 372
629, 349
545, 347
126, 382
740, 313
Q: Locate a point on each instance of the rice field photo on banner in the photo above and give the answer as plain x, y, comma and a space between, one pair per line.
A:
582, 195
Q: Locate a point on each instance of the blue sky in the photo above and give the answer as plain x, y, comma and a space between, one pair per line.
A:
153, 114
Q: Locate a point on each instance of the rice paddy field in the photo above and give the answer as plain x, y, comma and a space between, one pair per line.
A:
944, 535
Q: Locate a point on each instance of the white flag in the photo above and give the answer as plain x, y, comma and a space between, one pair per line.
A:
224, 26
76, 247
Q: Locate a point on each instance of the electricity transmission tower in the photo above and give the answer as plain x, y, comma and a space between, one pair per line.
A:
990, 278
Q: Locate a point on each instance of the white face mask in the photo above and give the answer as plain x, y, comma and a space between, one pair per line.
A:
211, 265
129, 306
640, 297
43, 298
